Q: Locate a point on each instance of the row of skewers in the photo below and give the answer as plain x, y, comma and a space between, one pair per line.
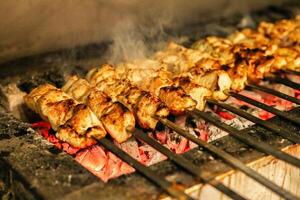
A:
114, 99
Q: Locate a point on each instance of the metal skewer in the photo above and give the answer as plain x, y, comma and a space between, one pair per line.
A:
229, 159
292, 72
270, 109
247, 139
187, 165
286, 82
164, 184
285, 133
274, 92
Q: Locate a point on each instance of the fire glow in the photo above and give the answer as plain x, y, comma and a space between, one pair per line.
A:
106, 165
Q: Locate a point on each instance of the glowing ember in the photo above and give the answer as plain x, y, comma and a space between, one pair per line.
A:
297, 94
226, 115
45, 130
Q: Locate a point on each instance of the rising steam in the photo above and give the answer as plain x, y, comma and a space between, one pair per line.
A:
141, 28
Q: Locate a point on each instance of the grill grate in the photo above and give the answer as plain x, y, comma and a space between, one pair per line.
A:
286, 82
185, 164
266, 108
270, 126
226, 157
275, 93
164, 184
261, 146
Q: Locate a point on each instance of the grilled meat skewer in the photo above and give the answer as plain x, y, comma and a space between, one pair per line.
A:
144, 104
118, 121
73, 122
172, 95
193, 85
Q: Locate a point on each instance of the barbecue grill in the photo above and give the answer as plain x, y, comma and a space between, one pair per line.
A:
33, 168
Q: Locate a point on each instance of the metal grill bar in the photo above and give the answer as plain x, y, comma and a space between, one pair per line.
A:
270, 109
187, 165
231, 160
273, 127
286, 82
293, 72
274, 92
164, 184
249, 140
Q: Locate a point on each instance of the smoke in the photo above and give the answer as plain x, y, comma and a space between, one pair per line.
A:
136, 27
139, 32
145, 26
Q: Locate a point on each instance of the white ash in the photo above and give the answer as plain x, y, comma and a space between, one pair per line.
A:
11, 97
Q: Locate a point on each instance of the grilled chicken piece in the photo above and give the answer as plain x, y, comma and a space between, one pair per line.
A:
67, 134
85, 122
279, 40
130, 96
65, 115
99, 102
238, 75
178, 59
250, 38
198, 93
215, 48
217, 81
56, 107
145, 105
78, 88
278, 31
140, 72
105, 74
35, 94
108, 80
286, 58
176, 99
258, 63
118, 121
163, 79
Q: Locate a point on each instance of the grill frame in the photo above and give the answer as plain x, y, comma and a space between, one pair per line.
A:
115, 183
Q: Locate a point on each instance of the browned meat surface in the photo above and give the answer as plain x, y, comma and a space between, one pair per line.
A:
67, 134
131, 96
35, 94
147, 107
197, 92
117, 120
176, 99
65, 115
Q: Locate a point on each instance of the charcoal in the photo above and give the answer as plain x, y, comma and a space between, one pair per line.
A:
54, 77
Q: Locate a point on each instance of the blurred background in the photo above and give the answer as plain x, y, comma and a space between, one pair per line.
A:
31, 27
